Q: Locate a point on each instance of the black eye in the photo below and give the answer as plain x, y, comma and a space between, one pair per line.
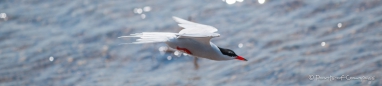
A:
227, 52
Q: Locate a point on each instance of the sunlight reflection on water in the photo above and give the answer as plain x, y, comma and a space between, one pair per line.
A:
339, 25
162, 49
177, 53
138, 10
147, 8
169, 57
185, 54
232, 1
240, 45
141, 11
322, 43
3, 16
143, 16
261, 1
51, 58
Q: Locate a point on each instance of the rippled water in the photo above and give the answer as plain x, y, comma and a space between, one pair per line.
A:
44, 42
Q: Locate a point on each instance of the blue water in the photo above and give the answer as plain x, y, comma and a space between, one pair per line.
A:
60, 42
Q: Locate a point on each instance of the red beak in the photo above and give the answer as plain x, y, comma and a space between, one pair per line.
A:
241, 58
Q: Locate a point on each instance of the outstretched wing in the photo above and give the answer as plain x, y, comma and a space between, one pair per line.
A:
200, 32
192, 27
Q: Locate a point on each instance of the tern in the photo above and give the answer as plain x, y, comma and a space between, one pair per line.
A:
194, 39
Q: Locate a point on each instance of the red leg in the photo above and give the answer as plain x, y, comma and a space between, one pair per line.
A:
184, 50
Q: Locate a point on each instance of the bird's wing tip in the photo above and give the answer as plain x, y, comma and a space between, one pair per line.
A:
126, 36
175, 17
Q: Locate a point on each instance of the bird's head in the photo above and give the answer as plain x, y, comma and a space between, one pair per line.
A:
230, 53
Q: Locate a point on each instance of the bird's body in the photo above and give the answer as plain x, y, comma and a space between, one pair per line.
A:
197, 49
194, 40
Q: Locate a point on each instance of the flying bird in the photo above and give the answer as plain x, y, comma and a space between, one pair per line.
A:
194, 40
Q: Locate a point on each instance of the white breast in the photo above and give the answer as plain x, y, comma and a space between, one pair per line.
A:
198, 49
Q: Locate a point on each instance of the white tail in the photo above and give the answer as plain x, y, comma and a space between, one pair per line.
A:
151, 37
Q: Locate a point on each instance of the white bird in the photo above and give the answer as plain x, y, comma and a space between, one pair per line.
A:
194, 40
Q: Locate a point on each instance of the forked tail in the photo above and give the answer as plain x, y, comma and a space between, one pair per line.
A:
150, 37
